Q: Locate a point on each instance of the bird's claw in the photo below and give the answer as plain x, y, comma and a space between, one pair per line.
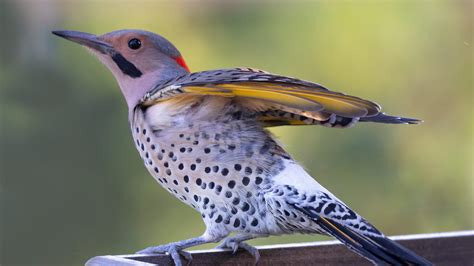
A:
234, 246
173, 250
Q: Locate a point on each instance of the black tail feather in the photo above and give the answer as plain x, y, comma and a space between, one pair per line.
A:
388, 119
398, 250
378, 249
357, 244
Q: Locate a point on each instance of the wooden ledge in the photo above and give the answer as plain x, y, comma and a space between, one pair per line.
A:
451, 248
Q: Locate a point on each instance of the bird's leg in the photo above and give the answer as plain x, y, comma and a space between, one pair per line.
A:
176, 248
235, 242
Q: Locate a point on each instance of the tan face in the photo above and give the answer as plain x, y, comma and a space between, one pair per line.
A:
135, 48
138, 59
148, 52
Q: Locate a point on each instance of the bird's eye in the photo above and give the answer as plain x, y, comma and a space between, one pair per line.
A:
134, 44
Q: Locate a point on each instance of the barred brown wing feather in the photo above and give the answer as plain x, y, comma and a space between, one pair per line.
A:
288, 94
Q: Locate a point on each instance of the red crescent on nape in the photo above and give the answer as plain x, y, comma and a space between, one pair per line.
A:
181, 62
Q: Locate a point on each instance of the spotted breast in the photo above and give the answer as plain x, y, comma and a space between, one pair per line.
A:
221, 166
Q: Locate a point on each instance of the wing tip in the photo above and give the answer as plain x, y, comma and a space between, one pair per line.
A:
388, 119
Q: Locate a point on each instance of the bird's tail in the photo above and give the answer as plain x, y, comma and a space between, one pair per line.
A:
388, 119
378, 249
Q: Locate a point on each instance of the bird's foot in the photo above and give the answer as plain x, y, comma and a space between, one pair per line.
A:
234, 244
172, 249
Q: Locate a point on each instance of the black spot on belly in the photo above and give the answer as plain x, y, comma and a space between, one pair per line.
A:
236, 223
211, 185
225, 172
254, 222
248, 170
245, 181
218, 189
237, 167
236, 201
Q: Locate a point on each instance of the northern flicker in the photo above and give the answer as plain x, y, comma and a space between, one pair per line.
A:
203, 137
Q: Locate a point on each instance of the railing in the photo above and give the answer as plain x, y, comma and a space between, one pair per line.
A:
453, 248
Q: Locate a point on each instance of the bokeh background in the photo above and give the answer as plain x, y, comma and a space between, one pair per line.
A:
72, 185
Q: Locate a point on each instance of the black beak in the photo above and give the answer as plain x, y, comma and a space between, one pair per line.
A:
86, 39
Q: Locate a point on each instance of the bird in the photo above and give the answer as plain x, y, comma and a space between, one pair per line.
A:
203, 136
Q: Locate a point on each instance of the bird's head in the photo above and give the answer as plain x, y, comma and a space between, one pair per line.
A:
138, 59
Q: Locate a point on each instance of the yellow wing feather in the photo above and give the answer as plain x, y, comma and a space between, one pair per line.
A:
307, 100
273, 96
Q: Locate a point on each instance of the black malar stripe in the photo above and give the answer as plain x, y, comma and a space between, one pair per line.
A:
126, 66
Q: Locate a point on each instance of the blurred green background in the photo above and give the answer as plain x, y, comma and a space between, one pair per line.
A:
72, 185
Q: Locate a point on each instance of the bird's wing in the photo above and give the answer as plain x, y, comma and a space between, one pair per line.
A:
339, 221
265, 92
